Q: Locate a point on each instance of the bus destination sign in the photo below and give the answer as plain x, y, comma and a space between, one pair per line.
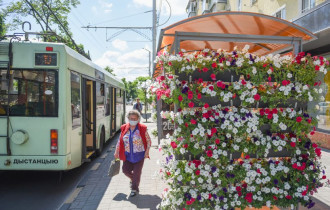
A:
46, 59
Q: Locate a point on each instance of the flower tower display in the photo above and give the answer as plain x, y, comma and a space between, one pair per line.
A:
242, 129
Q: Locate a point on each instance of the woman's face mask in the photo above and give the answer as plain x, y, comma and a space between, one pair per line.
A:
133, 120
133, 123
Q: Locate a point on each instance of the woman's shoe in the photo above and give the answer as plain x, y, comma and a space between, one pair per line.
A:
133, 193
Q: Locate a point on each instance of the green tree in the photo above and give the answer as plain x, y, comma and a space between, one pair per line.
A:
110, 70
43, 12
2, 23
140, 91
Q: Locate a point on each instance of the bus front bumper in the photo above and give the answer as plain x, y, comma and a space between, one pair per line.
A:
55, 163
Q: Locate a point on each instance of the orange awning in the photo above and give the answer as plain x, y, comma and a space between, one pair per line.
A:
225, 30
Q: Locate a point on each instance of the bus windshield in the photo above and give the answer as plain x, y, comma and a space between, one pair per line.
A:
30, 92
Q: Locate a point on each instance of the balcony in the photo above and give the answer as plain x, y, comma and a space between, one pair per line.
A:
316, 19
191, 14
214, 3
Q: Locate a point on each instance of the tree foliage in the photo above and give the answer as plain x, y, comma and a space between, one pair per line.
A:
2, 23
45, 18
110, 70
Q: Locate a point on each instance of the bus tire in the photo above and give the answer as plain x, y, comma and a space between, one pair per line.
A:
102, 140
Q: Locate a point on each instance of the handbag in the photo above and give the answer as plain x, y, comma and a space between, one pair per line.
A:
114, 168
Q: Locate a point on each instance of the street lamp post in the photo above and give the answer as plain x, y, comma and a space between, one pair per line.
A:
149, 60
144, 87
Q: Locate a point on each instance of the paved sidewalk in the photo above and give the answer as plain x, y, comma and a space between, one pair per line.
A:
98, 191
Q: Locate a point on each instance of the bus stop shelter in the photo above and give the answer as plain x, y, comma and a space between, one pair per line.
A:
226, 30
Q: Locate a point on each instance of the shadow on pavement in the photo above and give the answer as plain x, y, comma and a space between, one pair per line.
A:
142, 201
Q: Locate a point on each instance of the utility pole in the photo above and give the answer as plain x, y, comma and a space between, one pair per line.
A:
154, 33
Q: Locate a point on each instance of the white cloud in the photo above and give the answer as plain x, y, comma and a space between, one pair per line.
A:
103, 5
126, 65
177, 7
94, 10
119, 44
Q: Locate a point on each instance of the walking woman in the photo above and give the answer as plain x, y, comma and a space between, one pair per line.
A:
132, 148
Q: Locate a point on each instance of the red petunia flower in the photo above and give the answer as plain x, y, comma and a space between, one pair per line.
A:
270, 116
298, 119
317, 68
199, 96
213, 77
293, 144
190, 96
205, 69
213, 130
217, 141
256, 97
209, 153
206, 105
214, 65
191, 104
174, 145
180, 97
288, 197
197, 172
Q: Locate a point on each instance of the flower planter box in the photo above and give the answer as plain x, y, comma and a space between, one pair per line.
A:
225, 75
212, 101
266, 129
283, 153
187, 156
291, 103
272, 153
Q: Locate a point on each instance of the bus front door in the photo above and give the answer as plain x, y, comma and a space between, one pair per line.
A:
89, 119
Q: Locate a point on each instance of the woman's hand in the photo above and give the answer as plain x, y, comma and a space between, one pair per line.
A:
146, 154
116, 154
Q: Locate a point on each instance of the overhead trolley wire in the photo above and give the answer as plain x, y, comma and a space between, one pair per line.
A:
119, 18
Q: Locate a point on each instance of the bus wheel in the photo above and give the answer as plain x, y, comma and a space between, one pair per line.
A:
102, 139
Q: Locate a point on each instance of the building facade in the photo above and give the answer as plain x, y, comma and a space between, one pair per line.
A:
313, 15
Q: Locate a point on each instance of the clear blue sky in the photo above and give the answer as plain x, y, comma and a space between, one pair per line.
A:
122, 51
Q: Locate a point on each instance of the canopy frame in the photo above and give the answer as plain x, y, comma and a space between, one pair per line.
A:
256, 39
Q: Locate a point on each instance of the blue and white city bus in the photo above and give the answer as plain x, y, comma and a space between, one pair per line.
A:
57, 108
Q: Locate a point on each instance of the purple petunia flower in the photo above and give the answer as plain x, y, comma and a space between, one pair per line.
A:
213, 169
224, 189
275, 181
199, 197
185, 90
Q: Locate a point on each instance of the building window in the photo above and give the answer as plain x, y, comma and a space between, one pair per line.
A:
280, 13
239, 5
307, 5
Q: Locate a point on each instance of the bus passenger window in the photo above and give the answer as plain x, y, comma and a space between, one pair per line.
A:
31, 93
107, 101
100, 109
75, 100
